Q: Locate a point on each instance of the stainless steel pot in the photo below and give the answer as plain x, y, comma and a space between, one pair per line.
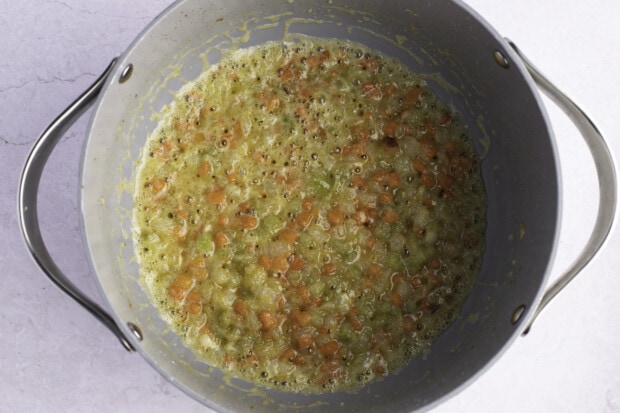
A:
468, 64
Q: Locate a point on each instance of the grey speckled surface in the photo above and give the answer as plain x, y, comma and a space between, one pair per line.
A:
56, 357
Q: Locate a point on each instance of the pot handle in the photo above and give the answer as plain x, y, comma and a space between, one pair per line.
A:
27, 202
606, 173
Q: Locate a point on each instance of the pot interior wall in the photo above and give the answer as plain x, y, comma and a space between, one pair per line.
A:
520, 172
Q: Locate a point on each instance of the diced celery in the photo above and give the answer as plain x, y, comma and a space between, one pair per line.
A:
321, 183
204, 243
382, 230
270, 225
220, 275
254, 276
395, 262
243, 258
317, 288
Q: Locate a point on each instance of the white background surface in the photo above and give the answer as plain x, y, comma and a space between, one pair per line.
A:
56, 357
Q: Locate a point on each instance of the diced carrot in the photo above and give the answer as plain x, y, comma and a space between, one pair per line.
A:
412, 95
180, 286
228, 359
445, 119
356, 325
315, 60
434, 264
194, 308
329, 348
307, 204
216, 197
360, 133
374, 270
220, 239
267, 320
204, 168
303, 318
244, 206
163, 150
372, 241
369, 64
396, 299
199, 137
158, 185
288, 235
419, 165
304, 341
179, 232
329, 269
279, 263
297, 264
331, 367
304, 293
430, 127
374, 93
249, 222
335, 216
359, 182
428, 180
227, 140
238, 130
444, 181
233, 177
360, 217
273, 103
450, 148
265, 261
223, 220
379, 175
385, 197
466, 163
240, 307
390, 216
469, 239
197, 268
288, 73
390, 129
252, 359
356, 149
428, 148
194, 302
288, 354
408, 324
393, 180
390, 89
305, 218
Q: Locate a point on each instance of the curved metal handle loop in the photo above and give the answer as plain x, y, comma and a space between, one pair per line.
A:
604, 162
28, 192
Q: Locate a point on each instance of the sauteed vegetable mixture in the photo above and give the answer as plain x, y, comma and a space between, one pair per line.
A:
309, 215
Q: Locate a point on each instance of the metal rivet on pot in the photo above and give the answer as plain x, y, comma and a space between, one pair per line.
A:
500, 59
126, 73
517, 314
135, 330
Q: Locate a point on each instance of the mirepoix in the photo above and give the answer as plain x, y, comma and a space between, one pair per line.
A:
309, 215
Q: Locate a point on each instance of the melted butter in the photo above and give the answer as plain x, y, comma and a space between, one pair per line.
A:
212, 44
249, 92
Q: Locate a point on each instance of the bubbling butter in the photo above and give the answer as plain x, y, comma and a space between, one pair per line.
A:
309, 215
